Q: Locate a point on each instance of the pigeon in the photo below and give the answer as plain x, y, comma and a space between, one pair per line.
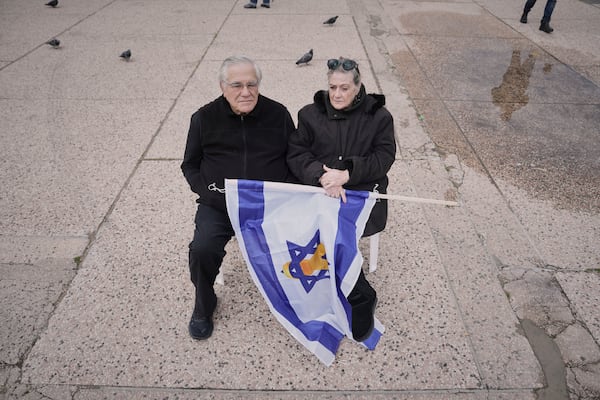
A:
331, 21
305, 59
52, 3
126, 55
54, 42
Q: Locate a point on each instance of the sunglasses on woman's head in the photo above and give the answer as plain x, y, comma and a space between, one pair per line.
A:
347, 64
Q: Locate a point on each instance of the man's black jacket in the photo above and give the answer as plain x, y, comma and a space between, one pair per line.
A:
222, 144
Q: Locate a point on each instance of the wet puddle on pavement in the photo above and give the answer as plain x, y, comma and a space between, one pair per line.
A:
531, 120
511, 94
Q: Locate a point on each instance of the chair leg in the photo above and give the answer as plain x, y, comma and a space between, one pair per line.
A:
219, 279
373, 252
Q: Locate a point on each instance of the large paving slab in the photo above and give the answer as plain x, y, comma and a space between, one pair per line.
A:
150, 19
57, 158
505, 358
460, 19
39, 23
146, 394
478, 65
285, 7
583, 289
26, 302
538, 156
568, 240
308, 32
31, 250
574, 20
90, 68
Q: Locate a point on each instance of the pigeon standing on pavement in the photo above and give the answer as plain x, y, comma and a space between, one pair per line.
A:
126, 55
305, 59
54, 42
52, 3
331, 21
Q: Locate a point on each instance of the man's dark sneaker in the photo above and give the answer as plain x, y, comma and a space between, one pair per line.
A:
524, 18
545, 26
250, 5
200, 328
265, 5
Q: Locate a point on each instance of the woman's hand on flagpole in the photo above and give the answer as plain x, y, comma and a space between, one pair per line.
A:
334, 177
336, 192
333, 181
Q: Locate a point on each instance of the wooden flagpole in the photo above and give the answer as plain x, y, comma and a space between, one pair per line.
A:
281, 186
414, 199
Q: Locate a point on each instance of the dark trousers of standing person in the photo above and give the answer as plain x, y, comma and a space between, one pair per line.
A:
207, 250
253, 4
547, 10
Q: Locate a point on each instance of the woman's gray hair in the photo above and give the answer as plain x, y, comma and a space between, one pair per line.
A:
236, 60
355, 72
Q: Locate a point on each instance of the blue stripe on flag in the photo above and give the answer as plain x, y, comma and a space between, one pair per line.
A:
371, 341
251, 214
345, 241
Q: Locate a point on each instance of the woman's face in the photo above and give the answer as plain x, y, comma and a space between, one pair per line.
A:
342, 89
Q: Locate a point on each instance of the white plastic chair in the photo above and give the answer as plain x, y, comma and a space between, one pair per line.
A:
373, 251
219, 279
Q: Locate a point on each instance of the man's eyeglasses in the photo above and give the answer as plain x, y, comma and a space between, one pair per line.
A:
347, 64
239, 85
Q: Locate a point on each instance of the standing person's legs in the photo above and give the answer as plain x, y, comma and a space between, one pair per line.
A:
545, 23
528, 6
548, 11
207, 249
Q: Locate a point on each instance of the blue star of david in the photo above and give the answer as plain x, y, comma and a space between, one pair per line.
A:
299, 253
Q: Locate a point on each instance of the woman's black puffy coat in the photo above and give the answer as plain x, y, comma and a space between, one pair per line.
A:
360, 140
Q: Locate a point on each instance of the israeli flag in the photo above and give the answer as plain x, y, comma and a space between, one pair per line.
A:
301, 248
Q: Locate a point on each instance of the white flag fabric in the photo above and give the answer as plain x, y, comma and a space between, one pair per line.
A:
301, 248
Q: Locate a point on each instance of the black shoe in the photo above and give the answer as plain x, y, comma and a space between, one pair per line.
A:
363, 320
524, 18
250, 5
265, 5
545, 26
200, 328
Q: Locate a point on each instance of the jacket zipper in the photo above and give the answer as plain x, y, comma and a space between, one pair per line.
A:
340, 143
245, 155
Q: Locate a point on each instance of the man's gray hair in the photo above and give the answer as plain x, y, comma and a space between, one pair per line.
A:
236, 60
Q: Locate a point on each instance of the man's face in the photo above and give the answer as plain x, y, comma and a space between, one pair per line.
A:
241, 88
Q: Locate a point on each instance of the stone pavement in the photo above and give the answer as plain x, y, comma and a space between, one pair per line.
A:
495, 299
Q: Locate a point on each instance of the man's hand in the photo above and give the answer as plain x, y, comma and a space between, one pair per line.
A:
333, 181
